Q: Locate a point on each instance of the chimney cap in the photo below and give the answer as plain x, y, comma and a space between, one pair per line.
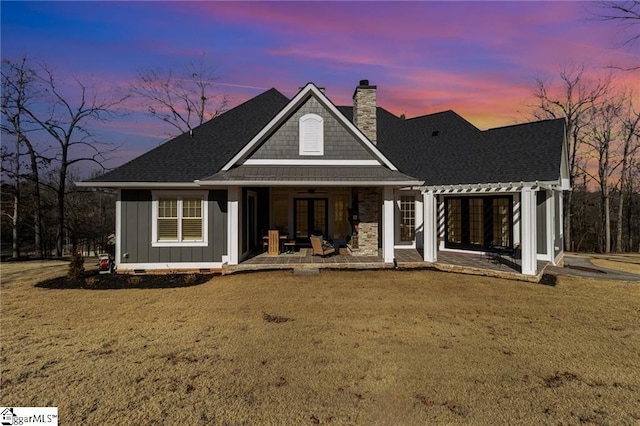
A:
364, 84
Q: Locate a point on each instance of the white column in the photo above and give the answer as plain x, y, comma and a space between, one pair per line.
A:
551, 234
388, 226
233, 220
119, 229
561, 219
528, 232
430, 227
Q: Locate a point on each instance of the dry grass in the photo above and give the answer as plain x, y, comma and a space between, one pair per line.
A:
384, 347
625, 262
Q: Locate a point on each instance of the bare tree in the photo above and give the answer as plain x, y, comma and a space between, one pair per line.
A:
18, 92
571, 100
626, 13
601, 137
66, 121
626, 16
183, 101
629, 121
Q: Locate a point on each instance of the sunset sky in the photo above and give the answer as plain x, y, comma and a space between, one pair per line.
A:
477, 58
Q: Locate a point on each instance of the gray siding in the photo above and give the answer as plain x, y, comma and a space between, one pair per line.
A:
339, 143
541, 221
136, 231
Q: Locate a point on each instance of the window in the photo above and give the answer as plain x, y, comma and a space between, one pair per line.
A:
340, 216
501, 225
311, 135
192, 219
454, 220
179, 220
280, 211
407, 218
168, 219
475, 223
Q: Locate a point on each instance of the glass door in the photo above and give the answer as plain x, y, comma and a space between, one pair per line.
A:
310, 217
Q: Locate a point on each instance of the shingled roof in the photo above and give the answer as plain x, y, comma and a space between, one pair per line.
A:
445, 149
439, 149
189, 157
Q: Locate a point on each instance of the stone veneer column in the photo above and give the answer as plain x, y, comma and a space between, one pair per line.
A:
368, 211
364, 110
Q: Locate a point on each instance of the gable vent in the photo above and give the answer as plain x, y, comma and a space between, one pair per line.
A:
311, 135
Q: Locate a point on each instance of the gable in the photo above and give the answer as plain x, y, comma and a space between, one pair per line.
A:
329, 110
318, 126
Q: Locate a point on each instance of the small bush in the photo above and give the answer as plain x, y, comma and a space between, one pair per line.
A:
135, 281
91, 282
76, 267
190, 279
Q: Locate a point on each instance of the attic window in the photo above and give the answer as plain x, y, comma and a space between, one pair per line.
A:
311, 135
435, 133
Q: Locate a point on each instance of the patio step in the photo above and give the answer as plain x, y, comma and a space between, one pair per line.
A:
306, 271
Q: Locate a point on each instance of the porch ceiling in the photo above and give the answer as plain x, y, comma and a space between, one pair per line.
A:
311, 175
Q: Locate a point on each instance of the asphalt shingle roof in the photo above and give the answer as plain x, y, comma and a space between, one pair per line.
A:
440, 149
190, 157
312, 173
445, 149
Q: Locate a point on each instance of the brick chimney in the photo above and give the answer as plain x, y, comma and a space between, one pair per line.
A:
364, 110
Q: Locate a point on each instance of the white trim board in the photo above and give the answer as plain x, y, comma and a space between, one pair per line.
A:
283, 162
169, 265
286, 183
139, 185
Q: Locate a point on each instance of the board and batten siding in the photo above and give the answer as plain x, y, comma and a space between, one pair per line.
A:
136, 216
339, 143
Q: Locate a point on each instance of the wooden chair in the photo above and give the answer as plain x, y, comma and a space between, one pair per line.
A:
320, 247
274, 242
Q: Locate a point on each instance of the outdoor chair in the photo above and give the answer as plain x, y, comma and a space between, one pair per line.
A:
320, 246
274, 242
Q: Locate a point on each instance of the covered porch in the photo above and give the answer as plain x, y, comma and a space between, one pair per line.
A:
406, 258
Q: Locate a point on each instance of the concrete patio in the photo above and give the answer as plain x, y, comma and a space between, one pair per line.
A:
467, 263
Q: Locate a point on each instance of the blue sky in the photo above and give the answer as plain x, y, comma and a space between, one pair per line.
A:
477, 58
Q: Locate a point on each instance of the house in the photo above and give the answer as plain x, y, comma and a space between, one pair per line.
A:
7, 416
302, 165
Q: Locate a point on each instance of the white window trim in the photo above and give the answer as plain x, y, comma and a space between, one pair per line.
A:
301, 131
179, 195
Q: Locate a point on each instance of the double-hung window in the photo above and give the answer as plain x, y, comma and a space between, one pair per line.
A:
179, 219
407, 218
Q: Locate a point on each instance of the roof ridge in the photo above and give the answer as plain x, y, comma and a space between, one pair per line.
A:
528, 123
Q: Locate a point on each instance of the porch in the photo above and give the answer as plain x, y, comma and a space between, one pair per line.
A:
467, 263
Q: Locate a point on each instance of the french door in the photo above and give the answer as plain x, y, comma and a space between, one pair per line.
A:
477, 223
310, 217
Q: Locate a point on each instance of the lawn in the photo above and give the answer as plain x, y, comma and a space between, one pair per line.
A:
342, 347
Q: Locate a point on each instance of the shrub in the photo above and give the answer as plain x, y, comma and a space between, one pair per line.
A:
91, 282
76, 267
135, 281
